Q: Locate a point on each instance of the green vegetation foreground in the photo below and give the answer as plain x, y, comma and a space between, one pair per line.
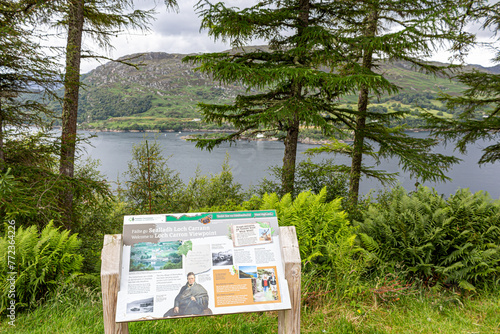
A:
79, 310
405, 263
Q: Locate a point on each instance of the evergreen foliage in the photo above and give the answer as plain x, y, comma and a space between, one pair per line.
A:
479, 104
441, 241
293, 90
43, 261
320, 52
475, 122
99, 20
374, 32
309, 176
212, 191
30, 187
152, 187
25, 67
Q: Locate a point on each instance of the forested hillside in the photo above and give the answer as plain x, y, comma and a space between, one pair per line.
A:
162, 94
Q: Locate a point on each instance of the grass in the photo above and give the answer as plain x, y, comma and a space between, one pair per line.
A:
79, 310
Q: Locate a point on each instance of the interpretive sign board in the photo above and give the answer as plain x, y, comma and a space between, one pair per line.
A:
191, 264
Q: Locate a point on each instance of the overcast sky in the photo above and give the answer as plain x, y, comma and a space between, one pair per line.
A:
178, 32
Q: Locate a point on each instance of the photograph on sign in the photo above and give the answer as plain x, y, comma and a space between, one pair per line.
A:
194, 264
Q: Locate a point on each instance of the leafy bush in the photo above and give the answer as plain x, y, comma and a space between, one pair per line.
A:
42, 262
211, 191
326, 239
30, 188
10, 190
152, 187
309, 176
453, 241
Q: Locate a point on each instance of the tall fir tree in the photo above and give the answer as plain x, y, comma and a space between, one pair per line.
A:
287, 88
24, 68
320, 51
479, 105
30, 187
379, 31
100, 20
152, 187
70, 103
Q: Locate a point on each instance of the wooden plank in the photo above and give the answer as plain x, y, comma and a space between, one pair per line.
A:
110, 282
289, 320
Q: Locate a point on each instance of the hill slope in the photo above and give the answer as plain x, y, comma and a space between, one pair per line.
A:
163, 92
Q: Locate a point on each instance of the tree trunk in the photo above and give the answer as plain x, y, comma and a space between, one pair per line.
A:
70, 104
290, 157
293, 125
359, 131
357, 152
2, 156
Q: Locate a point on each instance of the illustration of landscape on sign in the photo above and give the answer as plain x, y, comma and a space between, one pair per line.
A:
155, 256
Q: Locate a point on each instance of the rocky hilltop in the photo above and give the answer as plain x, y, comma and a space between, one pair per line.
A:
161, 88
156, 73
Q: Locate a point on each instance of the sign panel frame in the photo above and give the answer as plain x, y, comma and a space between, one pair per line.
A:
195, 264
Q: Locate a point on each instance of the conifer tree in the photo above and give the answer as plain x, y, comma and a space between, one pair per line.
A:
480, 116
24, 68
100, 19
480, 102
320, 51
152, 186
386, 30
287, 89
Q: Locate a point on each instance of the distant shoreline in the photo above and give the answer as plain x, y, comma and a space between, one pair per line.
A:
307, 140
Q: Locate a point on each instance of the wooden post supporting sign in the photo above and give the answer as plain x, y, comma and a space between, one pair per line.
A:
289, 320
110, 282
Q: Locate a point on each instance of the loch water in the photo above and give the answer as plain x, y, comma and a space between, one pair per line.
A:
250, 161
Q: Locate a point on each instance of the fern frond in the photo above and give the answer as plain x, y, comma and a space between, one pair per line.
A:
466, 285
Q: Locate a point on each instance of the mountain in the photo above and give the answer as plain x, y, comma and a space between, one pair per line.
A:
162, 93
493, 69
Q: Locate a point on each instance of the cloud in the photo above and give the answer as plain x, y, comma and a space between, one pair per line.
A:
171, 32
185, 21
179, 32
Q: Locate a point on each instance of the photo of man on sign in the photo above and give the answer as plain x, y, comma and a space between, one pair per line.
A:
191, 300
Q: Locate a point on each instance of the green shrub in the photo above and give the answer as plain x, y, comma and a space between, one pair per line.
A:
326, 239
212, 191
42, 262
309, 176
254, 203
453, 241
10, 192
30, 188
152, 187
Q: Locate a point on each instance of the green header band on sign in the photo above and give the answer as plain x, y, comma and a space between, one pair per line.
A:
223, 215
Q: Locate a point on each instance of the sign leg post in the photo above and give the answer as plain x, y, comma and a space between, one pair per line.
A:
110, 282
289, 320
